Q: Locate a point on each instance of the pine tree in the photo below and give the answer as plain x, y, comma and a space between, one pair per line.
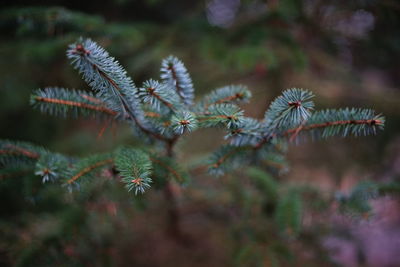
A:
164, 111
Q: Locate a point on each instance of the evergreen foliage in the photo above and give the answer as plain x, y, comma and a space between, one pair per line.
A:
74, 103
135, 168
15, 154
235, 94
163, 111
105, 76
288, 213
357, 202
175, 74
289, 110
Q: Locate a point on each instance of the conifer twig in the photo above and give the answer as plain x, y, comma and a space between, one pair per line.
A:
77, 104
20, 151
296, 131
89, 169
164, 111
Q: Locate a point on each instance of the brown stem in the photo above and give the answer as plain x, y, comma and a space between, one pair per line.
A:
175, 77
76, 104
218, 117
89, 169
173, 223
174, 228
15, 150
138, 123
162, 100
326, 124
226, 99
318, 125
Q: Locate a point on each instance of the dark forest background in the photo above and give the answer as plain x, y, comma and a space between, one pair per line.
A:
346, 52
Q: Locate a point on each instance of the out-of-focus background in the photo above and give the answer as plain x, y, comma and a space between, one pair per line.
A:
346, 52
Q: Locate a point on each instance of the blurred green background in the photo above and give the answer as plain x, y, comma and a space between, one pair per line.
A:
346, 52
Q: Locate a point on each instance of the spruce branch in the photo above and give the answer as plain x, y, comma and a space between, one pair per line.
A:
135, 168
14, 150
159, 95
52, 166
227, 115
229, 157
232, 94
321, 124
62, 102
176, 76
184, 121
104, 74
226, 158
289, 110
14, 154
249, 131
343, 122
25, 156
163, 111
86, 166
110, 81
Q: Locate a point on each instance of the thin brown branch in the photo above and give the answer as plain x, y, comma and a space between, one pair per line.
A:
297, 131
15, 150
318, 125
103, 129
162, 100
228, 117
175, 78
326, 124
76, 104
151, 114
226, 156
138, 123
92, 99
226, 99
89, 169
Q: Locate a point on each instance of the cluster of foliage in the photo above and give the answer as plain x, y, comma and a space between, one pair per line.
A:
161, 112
